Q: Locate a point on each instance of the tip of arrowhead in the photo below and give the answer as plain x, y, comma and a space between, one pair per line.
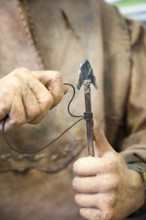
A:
85, 61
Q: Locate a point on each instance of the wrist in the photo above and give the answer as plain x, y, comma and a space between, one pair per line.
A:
139, 172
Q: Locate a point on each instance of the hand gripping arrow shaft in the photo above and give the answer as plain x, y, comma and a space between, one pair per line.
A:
87, 77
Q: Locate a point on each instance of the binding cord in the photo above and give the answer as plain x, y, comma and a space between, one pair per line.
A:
55, 139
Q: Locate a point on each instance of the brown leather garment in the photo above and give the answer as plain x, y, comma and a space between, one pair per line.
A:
30, 31
58, 34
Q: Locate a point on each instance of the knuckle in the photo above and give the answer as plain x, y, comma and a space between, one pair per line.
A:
46, 104
108, 215
17, 78
58, 98
58, 75
20, 71
115, 180
48, 101
111, 201
60, 95
3, 107
32, 114
114, 183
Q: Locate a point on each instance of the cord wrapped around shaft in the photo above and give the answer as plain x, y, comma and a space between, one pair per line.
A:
88, 116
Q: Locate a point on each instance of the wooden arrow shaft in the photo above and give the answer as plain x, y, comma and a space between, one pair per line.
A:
89, 124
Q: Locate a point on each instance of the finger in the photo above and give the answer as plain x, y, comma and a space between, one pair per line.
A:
4, 108
101, 144
16, 116
56, 88
31, 105
43, 96
90, 166
85, 184
101, 201
65, 88
97, 184
53, 81
86, 200
90, 213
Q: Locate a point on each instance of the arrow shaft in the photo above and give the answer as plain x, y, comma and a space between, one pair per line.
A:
89, 124
86, 78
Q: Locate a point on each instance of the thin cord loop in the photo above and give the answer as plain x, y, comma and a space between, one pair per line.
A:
68, 107
55, 139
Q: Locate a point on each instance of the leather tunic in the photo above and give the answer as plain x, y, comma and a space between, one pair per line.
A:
58, 35
31, 38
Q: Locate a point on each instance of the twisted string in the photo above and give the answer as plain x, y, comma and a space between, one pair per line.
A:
55, 139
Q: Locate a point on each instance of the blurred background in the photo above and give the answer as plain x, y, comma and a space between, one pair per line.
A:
135, 9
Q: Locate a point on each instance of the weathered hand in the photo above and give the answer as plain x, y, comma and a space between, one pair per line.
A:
26, 97
105, 188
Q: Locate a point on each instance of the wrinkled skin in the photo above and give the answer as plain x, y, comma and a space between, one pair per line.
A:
27, 96
105, 188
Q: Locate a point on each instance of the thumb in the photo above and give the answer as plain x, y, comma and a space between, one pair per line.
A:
101, 144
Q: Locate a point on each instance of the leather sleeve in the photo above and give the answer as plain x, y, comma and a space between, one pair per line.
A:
134, 145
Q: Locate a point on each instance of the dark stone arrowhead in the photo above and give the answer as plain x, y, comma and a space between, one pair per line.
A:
86, 74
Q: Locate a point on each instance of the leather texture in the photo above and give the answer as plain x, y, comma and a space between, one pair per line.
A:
58, 35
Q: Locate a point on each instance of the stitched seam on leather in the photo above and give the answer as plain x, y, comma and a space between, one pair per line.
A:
27, 29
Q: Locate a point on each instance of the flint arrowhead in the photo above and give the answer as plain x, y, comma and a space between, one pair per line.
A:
86, 74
